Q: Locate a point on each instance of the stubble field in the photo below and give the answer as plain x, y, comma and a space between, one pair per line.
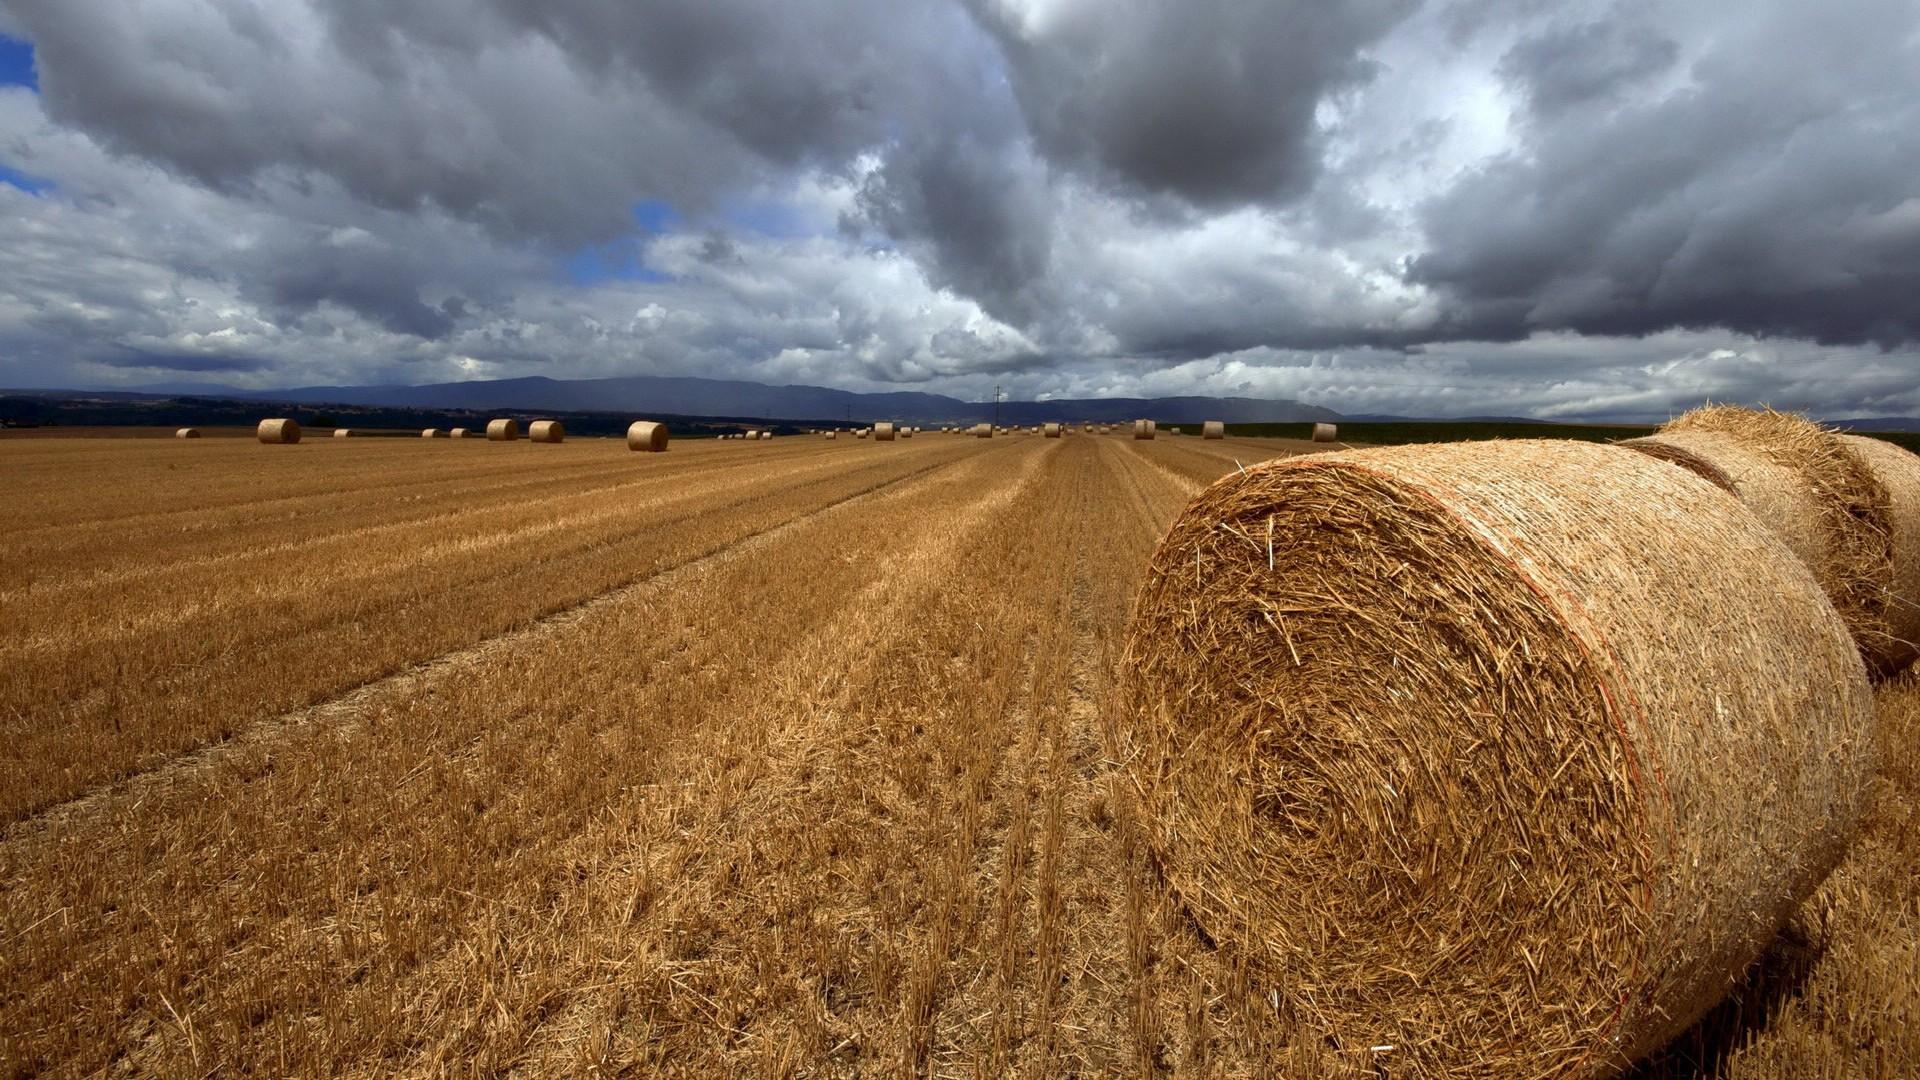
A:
792, 758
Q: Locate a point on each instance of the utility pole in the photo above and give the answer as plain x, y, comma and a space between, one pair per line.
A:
996, 408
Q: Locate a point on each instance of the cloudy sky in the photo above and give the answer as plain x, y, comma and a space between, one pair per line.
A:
1561, 208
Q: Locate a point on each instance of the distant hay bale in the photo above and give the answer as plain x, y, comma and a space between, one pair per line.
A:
342, 433
766, 435
831, 434
1326, 433
1173, 431
981, 431
1811, 489
647, 436
280, 432
753, 434
1143, 429
907, 432
187, 433
883, 431
861, 434
547, 431
1213, 429
503, 430
432, 433
459, 433
1051, 431
1898, 471
1510, 755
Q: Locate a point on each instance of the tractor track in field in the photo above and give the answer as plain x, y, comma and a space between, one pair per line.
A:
347, 703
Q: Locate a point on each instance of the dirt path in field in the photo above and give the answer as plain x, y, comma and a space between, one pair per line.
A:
354, 703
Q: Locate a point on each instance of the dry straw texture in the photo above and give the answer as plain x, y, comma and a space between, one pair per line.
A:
883, 431
1899, 473
1213, 429
459, 433
279, 431
1143, 429
187, 433
503, 430
649, 436
1052, 431
1325, 433
547, 431
1806, 484
1489, 753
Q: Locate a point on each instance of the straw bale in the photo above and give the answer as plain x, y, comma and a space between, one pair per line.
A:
280, 431
459, 433
432, 433
907, 432
1143, 429
503, 430
1052, 431
342, 433
648, 436
1486, 751
1326, 432
547, 431
861, 434
831, 434
883, 431
1898, 471
1809, 487
1213, 429
982, 431
187, 433
1173, 431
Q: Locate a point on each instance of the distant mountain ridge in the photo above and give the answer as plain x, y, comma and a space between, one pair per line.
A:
641, 394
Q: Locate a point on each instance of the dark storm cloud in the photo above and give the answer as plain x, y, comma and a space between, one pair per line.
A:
158, 361
1572, 65
1212, 101
1776, 194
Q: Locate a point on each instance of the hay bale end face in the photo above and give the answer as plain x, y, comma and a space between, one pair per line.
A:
1813, 490
1580, 755
1052, 431
1326, 433
503, 430
647, 436
187, 433
547, 431
883, 431
279, 431
1213, 429
1898, 471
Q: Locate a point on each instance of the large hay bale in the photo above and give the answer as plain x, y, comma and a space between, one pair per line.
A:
883, 431
1898, 471
459, 433
279, 431
1326, 433
1143, 429
1808, 486
1051, 431
1508, 755
1213, 429
648, 436
547, 431
981, 431
187, 433
503, 430
907, 432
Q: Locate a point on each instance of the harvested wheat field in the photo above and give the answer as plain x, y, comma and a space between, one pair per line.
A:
424, 756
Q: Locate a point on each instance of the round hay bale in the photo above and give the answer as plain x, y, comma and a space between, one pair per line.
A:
1326, 433
187, 433
907, 433
831, 434
861, 434
1898, 471
766, 434
1143, 429
648, 436
1812, 489
1052, 431
279, 431
1173, 431
981, 431
432, 433
1493, 756
1213, 429
459, 433
342, 433
547, 431
883, 431
503, 430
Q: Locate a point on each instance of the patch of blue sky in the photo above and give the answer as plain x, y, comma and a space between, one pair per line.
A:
16, 64
774, 219
15, 178
620, 260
